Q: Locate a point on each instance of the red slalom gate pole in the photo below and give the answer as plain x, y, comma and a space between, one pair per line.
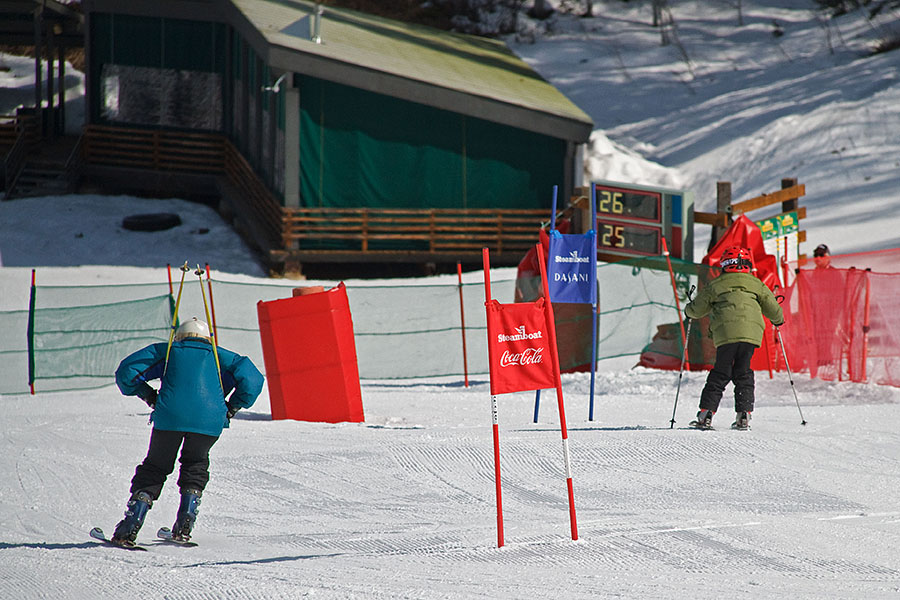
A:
551, 329
866, 324
462, 321
169, 273
494, 413
684, 340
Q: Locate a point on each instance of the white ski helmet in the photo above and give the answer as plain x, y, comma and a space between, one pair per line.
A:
193, 327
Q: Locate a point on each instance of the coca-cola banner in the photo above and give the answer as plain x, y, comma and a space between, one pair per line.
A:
571, 269
519, 347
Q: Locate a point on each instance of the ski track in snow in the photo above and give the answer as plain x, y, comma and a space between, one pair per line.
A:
348, 510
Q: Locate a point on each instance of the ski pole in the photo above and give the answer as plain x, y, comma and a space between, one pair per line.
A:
687, 338
184, 269
199, 274
790, 377
212, 304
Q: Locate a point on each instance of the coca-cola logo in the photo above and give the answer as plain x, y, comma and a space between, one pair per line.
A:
519, 335
529, 356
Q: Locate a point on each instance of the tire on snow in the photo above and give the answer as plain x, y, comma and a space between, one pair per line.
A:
151, 222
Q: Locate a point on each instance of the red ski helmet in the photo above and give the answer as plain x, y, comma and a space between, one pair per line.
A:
736, 260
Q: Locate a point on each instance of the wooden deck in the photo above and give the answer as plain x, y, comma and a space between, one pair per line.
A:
323, 234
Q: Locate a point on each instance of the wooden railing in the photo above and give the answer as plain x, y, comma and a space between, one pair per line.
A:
17, 133
252, 191
9, 131
146, 149
15, 159
73, 165
789, 196
431, 230
302, 232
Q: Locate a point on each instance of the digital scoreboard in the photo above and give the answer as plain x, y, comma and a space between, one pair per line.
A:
632, 220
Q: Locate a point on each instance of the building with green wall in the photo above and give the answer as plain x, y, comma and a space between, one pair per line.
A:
335, 108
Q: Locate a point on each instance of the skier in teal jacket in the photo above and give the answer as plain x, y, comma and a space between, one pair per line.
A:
736, 302
189, 412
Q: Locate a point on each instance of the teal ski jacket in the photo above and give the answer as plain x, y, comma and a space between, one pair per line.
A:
190, 398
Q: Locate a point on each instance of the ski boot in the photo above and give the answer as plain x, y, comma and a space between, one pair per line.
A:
187, 515
127, 529
741, 421
704, 419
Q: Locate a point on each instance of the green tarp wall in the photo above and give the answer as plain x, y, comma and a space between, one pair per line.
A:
361, 149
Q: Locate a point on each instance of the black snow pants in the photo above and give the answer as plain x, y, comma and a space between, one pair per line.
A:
732, 364
150, 475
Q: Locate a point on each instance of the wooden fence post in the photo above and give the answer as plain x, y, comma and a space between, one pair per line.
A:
791, 204
723, 206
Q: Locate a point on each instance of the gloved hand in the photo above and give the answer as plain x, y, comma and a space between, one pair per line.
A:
148, 395
232, 410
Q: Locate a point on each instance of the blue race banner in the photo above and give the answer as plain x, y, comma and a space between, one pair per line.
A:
572, 269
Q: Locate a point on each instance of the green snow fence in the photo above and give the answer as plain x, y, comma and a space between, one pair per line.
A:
80, 333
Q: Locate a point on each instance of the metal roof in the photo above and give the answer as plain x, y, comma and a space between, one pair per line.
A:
466, 74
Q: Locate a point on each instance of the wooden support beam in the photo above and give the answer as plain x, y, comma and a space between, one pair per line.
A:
723, 207
791, 203
785, 195
714, 219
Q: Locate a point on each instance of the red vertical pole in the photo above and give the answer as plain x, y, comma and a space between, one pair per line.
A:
462, 321
495, 422
865, 343
677, 303
850, 308
551, 329
784, 264
212, 306
169, 273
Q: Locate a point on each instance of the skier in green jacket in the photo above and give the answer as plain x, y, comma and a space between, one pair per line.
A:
735, 302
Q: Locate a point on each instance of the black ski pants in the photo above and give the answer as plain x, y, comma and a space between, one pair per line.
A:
732, 364
150, 475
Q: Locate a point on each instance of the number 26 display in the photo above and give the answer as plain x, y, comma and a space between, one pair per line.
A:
632, 220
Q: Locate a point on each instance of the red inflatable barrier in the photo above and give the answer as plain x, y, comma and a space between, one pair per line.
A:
310, 357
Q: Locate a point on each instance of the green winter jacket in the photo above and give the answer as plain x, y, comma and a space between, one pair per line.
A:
735, 303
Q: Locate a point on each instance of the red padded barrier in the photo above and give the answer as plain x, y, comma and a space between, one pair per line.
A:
310, 357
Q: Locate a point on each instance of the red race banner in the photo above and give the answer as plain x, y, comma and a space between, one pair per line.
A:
522, 357
519, 347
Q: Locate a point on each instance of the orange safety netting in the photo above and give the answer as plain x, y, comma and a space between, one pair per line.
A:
842, 322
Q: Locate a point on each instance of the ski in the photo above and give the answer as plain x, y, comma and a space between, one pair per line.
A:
165, 534
700, 426
98, 535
